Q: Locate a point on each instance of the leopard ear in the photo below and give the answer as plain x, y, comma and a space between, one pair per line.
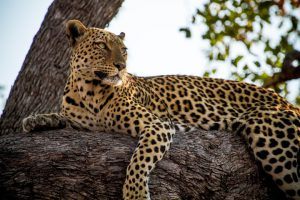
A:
122, 35
75, 30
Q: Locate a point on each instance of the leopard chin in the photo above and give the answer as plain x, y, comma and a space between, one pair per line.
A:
115, 80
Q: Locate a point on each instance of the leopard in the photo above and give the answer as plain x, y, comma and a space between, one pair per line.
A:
100, 95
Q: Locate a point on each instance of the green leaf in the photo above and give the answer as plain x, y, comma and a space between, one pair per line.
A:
264, 76
236, 60
298, 100
220, 56
245, 68
187, 32
257, 64
294, 21
269, 62
206, 74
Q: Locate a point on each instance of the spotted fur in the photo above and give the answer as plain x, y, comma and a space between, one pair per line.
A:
101, 96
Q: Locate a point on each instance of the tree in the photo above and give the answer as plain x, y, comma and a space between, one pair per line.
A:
257, 38
64, 164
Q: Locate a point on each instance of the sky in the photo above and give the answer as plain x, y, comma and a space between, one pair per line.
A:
155, 45
20, 20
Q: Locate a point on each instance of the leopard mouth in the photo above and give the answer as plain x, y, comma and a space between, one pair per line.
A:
115, 80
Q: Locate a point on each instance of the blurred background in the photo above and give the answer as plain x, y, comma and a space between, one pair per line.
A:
254, 41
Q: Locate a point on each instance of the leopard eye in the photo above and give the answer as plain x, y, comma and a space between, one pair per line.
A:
124, 50
102, 45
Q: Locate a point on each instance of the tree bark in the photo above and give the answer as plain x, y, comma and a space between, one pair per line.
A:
68, 164
40, 83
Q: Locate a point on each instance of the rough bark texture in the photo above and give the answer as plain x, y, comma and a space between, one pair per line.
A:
40, 83
67, 164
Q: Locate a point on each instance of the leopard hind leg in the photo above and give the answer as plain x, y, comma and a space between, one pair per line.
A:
274, 137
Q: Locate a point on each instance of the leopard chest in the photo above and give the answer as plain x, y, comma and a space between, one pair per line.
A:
85, 103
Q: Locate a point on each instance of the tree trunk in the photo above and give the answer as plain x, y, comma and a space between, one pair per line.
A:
68, 164
40, 83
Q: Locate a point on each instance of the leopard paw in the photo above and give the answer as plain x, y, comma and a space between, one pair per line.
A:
29, 123
33, 122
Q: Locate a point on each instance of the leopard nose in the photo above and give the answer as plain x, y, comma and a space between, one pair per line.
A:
120, 66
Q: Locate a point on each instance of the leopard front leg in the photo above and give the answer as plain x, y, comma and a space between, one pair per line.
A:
154, 141
44, 122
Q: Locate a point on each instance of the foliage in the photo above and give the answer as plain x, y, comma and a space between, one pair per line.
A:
252, 35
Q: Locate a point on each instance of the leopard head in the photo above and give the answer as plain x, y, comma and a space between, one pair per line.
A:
97, 53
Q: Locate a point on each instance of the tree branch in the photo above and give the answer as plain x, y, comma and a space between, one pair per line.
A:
288, 71
68, 164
